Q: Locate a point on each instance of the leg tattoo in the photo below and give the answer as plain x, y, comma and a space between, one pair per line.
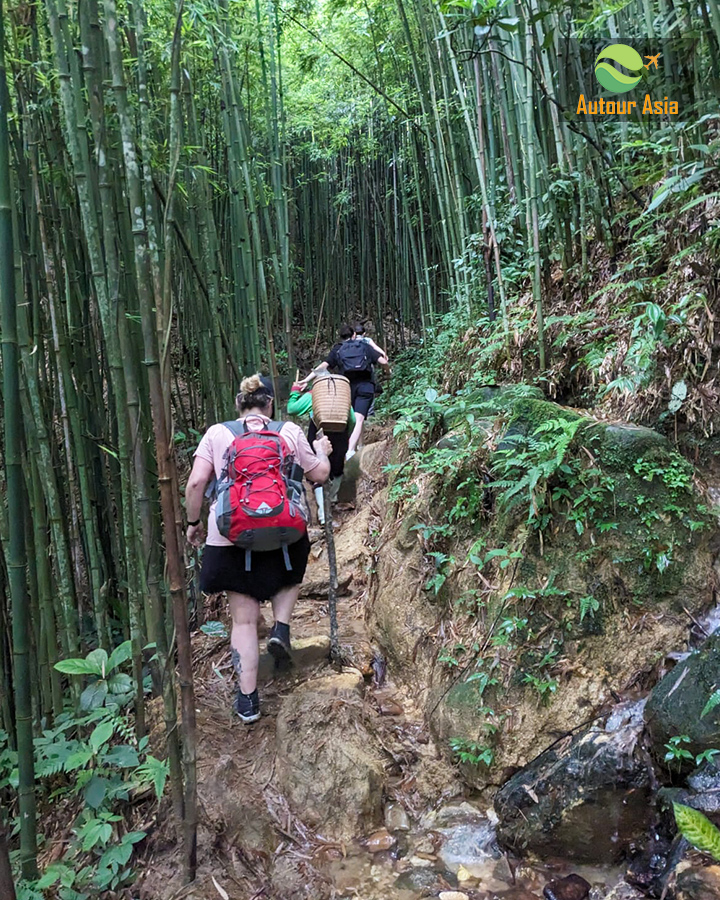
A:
235, 656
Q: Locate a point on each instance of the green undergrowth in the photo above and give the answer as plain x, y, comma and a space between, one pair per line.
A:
92, 776
537, 523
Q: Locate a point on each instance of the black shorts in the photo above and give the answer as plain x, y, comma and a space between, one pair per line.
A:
363, 394
223, 569
339, 441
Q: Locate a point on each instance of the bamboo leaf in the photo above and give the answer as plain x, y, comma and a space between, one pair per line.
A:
223, 893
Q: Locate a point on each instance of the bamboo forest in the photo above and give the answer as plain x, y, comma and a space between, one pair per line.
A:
490, 664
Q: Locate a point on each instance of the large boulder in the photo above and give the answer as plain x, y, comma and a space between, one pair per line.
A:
489, 400
585, 798
676, 705
329, 764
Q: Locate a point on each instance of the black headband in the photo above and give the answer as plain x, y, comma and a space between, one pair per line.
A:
266, 382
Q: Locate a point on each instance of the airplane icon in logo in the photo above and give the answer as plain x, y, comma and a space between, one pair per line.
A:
653, 61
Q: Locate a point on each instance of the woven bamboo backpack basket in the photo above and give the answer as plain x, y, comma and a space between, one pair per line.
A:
331, 402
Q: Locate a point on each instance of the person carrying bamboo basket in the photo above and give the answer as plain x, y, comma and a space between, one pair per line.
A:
300, 404
355, 360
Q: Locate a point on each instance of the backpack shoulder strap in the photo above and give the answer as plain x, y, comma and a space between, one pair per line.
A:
274, 426
237, 428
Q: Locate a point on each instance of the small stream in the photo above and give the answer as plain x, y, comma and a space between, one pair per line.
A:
452, 853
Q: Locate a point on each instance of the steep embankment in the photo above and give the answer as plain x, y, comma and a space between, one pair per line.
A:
541, 570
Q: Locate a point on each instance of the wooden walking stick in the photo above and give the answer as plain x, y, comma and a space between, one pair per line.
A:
333, 582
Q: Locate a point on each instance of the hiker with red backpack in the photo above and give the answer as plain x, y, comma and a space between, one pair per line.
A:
257, 544
355, 360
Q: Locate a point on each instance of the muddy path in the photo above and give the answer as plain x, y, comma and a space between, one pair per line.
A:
338, 791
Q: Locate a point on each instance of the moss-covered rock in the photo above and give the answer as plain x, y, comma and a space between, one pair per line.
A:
460, 437
621, 445
676, 704
489, 400
621, 497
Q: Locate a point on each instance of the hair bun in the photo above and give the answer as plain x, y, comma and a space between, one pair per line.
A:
250, 384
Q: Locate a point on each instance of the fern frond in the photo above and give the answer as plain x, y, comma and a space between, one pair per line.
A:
711, 704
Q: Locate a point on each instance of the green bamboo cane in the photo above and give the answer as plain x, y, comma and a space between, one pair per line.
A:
164, 456
16, 561
533, 233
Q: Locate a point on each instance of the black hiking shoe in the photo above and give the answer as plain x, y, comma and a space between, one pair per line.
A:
247, 706
278, 644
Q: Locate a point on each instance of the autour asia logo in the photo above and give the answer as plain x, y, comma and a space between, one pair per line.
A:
617, 81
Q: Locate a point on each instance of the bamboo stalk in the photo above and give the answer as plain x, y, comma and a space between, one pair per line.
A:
15, 557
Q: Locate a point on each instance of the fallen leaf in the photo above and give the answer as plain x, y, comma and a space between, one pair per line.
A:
223, 893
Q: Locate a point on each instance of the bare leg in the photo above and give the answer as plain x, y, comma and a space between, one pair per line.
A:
245, 611
357, 431
283, 603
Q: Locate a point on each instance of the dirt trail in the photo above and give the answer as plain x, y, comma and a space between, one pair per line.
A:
250, 840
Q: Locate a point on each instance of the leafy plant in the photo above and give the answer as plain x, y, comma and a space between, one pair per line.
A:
471, 752
442, 564
589, 605
526, 466
713, 701
214, 629
675, 751
544, 686
675, 472
697, 829
108, 687
95, 761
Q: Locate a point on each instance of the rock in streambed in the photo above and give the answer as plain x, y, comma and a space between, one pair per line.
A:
584, 798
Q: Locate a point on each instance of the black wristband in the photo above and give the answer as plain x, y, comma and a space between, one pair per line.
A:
193, 524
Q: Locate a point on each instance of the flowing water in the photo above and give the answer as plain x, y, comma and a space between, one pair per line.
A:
453, 851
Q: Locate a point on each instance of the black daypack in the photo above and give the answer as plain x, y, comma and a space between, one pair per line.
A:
354, 357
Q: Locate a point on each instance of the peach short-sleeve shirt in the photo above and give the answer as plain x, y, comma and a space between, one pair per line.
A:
217, 439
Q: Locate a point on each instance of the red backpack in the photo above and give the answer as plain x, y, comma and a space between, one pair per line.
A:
260, 494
